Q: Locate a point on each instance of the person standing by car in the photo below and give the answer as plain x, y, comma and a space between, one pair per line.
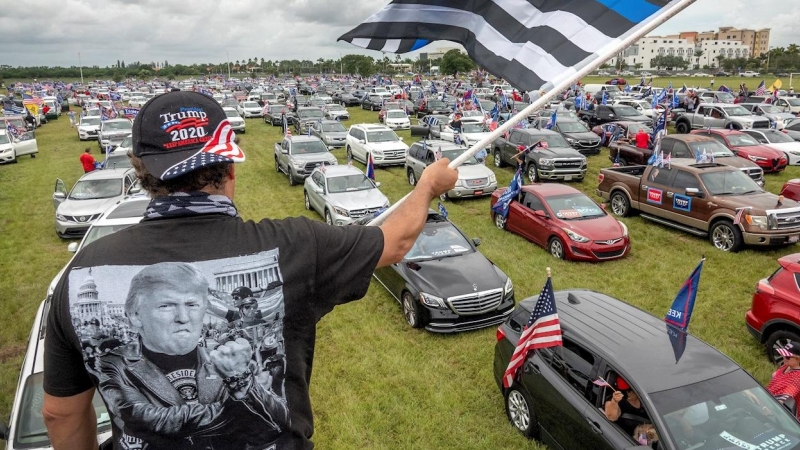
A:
712, 83
785, 382
71, 115
193, 224
87, 160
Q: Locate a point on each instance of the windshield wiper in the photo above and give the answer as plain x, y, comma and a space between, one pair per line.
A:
725, 193
752, 191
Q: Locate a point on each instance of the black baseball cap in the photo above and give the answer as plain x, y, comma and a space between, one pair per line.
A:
178, 132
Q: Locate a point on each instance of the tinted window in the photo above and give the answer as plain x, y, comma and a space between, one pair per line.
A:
660, 175
685, 180
531, 201
574, 364
413, 151
680, 150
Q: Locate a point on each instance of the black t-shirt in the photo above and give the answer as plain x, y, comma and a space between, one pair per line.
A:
630, 423
298, 270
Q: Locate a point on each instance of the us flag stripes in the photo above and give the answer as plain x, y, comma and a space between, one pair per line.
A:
531, 44
543, 330
761, 89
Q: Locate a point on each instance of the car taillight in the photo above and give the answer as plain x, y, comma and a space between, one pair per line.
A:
763, 286
500, 334
600, 178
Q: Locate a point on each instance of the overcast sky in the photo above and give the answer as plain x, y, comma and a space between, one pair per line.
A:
53, 32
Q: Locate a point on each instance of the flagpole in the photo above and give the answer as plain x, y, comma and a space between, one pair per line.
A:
603, 56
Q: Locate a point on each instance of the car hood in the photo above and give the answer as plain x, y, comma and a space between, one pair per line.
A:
475, 137
368, 198
335, 134
639, 118
314, 157
85, 207
599, 229
786, 146
473, 171
735, 161
89, 127
392, 145
760, 150
762, 201
402, 120
455, 275
582, 135
557, 152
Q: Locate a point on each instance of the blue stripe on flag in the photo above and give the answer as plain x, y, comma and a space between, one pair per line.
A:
634, 10
419, 43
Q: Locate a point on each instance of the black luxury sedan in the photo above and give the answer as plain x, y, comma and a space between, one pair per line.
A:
444, 284
694, 397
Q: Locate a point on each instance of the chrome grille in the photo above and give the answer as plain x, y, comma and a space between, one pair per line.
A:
475, 182
359, 213
476, 303
753, 172
394, 154
761, 124
567, 163
589, 143
784, 219
88, 218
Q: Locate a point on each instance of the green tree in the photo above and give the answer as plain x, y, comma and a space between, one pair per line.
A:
454, 61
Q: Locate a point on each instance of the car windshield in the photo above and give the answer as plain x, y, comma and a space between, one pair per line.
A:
335, 107
30, 430
778, 138
95, 189
453, 153
349, 183
127, 142
574, 207
396, 114
793, 101
250, 105
232, 114
736, 111
90, 121
472, 113
571, 127
438, 240
725, 97
309, 113
626, 111
304, 148
379, 90
473, 127
770, 109
708, 147
96, 232
333, 127
117, 125
436, 104
382, 136
741, 140
117, 161
277, 109
634, 128
553, 140
3, 139
729, 182
730, 412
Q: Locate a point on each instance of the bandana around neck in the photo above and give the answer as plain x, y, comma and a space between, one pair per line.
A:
182, 204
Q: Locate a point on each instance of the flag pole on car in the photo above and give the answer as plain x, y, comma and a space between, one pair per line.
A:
632, 24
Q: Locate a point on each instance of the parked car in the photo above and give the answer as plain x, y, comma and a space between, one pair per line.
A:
237, 122
643, 107
430, 126
444, 284
791, 189
342, 194
380, 141
112, 132
12, 147
745, 146
347, 99
792, 129
628, 130
564, 221
471, 133
274, 115
703, 199
304, 117
424, 107
779, 141
558, 161
785, 104
298, 156
397, 119
749, 74
474, 178
249, 109
603, 114
694, 396
332, 132
772, 318
575, 133
88, 127
372, 102
771, 112
718, 115
92, 194
335, 111
716, 97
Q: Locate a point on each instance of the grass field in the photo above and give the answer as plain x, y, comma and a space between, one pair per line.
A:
377, 383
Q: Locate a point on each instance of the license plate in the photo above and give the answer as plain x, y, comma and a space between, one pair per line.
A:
478, 193
793, 239
567, 177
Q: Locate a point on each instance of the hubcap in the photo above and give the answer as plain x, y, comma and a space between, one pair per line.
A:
518, 411
556, 249
408, 310
780, 343
723, 238
618, 205
411, 178
328, 219
499, 221
497, 159
532, 173
308, 204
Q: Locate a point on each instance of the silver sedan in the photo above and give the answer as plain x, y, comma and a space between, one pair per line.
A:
342, 194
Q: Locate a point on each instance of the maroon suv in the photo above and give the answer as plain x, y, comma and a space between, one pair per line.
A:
774, 317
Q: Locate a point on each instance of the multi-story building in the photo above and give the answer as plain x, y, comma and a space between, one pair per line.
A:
712, 50
649, 47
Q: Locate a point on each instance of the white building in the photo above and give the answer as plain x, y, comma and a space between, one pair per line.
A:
649, 47
712, 50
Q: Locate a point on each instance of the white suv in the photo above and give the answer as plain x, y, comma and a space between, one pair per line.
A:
379, 140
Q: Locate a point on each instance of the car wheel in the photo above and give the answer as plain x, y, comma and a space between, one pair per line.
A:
498, 161
443, 197
328, 218
277, 167
349, 153
623, 162
556, 247
620, 205
726, 236
519, 410
291, 178
682, 128
411, 311
533, 173
412, 179
777, 340
306, 200
33, 155
500, 221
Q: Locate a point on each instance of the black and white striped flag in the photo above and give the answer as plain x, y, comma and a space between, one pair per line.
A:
532, 44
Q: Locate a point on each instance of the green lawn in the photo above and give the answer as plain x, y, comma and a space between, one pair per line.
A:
377, 383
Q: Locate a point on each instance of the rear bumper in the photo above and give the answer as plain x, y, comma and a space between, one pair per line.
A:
753, 325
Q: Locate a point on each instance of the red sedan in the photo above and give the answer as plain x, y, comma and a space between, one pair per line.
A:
773, 317
791, 189
747, 147
565, 221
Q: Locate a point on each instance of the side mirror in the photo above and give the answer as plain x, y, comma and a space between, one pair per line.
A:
694, 192
541, 213
60, 196
377, 184
284, 151
362, 141
72, 247
476, 241
400, 137
319, 190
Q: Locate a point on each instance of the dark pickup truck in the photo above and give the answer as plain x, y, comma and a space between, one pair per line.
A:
604, 114
702, 199
558, 161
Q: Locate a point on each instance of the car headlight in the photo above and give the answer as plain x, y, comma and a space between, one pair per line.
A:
386, 204
747, 126
583, 160
297, 164
377, 152
509, 287
624, 229
432, 300
756, 158
492, 178
61, 217
571, 141
547, 161
757, 221
341, 211
575, 236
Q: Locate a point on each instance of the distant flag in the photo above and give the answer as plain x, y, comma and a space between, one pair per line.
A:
605, 98
740, 213
438, 153
370, 168
551, 122
681, 311
542, 330
641, 82
13, 130
724, 88
504, 202
628, 88
683, 89
761, 89
773, 124
442, 211
308, 130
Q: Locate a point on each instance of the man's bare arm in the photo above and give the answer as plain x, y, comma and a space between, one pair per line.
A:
71, 422
401, 228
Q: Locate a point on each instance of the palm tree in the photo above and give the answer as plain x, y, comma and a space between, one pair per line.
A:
698, 54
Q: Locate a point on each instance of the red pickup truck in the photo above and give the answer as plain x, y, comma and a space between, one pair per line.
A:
703, 199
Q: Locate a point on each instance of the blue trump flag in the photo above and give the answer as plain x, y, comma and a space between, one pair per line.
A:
681, 311
514, 188
677, 338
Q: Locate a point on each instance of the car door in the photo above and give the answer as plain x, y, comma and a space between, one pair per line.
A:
510, 149
59, 193
613, 435
652, 191
532, 226
558, 380
716, 118
25, 144
317, 193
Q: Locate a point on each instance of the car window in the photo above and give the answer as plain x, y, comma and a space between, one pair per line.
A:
684, 179
413, 151
680, 150
532, 202
797, 281
95, 189
438, 240
573, 363
660, 175
348, 183
728, 182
